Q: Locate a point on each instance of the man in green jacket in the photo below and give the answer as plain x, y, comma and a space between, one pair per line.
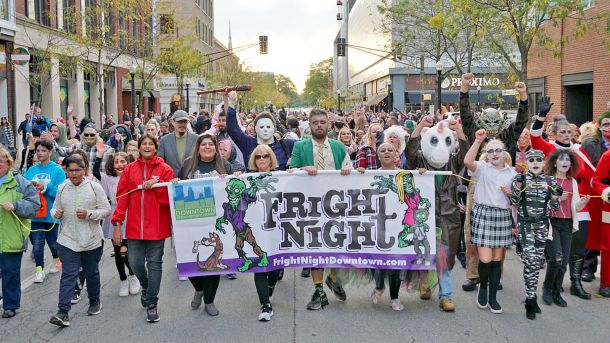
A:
19, 201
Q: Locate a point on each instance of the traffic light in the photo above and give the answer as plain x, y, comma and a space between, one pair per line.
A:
365, 99
340, 46
263, 45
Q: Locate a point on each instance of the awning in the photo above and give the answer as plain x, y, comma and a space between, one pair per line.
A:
376, 99
154, 93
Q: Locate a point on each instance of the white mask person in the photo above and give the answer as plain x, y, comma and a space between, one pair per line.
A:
495, 153
265, 129
535, 161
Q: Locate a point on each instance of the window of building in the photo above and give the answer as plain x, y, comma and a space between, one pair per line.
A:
41, 11
4, 14
69, 16
88, 78
123, 32
167, 23
588, 3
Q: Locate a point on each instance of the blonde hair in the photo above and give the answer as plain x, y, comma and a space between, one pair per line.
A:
7, 156
343, 129
400, 188
262, 148
507, 158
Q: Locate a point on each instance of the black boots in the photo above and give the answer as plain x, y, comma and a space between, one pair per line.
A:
548, 286
530, 312
482, 295
494, 281
575, 277
557, 299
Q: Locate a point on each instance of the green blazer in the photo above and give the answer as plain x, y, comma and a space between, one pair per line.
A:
302, 153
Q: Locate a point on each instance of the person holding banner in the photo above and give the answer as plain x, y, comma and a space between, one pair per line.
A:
313, 154
148, 219
263, 160
491, 214
205, 161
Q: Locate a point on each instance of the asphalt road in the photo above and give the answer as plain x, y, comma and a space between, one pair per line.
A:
356, 320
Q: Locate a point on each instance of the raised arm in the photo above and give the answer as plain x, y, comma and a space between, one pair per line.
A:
471, 155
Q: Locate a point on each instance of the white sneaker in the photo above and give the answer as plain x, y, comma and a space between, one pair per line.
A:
56, 267
396, 305
39, 278
124, 289
134, 284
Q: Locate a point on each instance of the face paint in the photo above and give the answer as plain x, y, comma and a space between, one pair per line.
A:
563, 163
495, 154
605, 128
535, 164
264, 130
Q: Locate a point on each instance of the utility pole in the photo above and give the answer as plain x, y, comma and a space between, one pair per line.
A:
344, 34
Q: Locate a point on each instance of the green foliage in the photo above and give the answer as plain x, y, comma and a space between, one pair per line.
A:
318, 89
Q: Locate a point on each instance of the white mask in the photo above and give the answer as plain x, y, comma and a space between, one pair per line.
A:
264, 131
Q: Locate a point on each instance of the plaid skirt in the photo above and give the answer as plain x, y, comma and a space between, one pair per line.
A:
491, 227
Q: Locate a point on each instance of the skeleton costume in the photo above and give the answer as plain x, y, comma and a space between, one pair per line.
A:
533, 198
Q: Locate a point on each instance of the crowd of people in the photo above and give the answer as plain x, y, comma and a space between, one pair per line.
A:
537, 183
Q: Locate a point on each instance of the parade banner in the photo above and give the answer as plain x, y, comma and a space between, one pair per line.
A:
262, 222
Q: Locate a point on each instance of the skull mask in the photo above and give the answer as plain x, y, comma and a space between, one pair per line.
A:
235, 189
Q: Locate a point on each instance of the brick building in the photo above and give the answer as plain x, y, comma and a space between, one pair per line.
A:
578, 82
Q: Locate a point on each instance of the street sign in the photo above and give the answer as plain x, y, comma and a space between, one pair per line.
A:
20, 56
509, 92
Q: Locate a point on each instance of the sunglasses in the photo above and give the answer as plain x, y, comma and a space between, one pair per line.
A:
88, 134
537, 159
497, 151
262, 157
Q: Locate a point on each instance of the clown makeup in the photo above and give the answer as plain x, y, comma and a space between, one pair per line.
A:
387, 155
605, 128
264, 131
495, 154
535, 164
563, 134
563, 163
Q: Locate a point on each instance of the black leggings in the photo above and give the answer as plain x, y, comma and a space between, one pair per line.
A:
122, 261
393, 280
264, 281
206, 284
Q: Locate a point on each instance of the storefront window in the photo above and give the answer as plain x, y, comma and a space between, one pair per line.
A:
4, 15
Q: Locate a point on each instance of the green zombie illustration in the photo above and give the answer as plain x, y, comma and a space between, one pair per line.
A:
235, 209
416, 235
403, 184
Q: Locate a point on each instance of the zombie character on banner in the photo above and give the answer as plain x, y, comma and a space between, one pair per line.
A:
239, 198
89, 137
434, 148
498, 126
403, 184
534, 193
264, 125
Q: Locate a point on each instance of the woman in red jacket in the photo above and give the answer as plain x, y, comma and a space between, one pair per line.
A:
148, 219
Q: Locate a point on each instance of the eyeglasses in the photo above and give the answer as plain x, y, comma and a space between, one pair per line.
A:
536, 159
88, 134
74, 171
492, 151
262, 157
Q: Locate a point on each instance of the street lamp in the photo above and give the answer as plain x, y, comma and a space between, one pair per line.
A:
338, 100
479, 98
188, 84
439, 71
132, 71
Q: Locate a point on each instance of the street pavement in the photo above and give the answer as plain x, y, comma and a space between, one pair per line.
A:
356, 320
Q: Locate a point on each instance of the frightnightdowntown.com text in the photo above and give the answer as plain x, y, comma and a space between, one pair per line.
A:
333, 260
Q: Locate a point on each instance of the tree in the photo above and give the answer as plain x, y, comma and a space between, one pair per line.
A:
285, 86
318, 90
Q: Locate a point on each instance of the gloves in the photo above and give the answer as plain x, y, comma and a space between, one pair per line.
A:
544, 106
520, 178
558, 191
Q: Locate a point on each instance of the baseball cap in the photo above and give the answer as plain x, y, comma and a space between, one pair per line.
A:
180, 115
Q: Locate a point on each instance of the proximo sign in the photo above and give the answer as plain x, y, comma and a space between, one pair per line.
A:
20, 56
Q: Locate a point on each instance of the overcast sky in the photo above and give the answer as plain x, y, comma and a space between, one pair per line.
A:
301, 32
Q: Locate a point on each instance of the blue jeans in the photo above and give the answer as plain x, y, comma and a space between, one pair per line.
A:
10, 263
72, 261
38, 239
146, 260
445, 287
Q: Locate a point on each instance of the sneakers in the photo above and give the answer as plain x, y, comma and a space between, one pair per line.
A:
75, 297
318, 300
124, 291
470, 285
134, 284
396, 305
376, 295
61, 319
266, 313
40, 275
8, 313
447, 305
197, 299
495, 307
56, 266
95, 307
152, 316
211, 310
338, 291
